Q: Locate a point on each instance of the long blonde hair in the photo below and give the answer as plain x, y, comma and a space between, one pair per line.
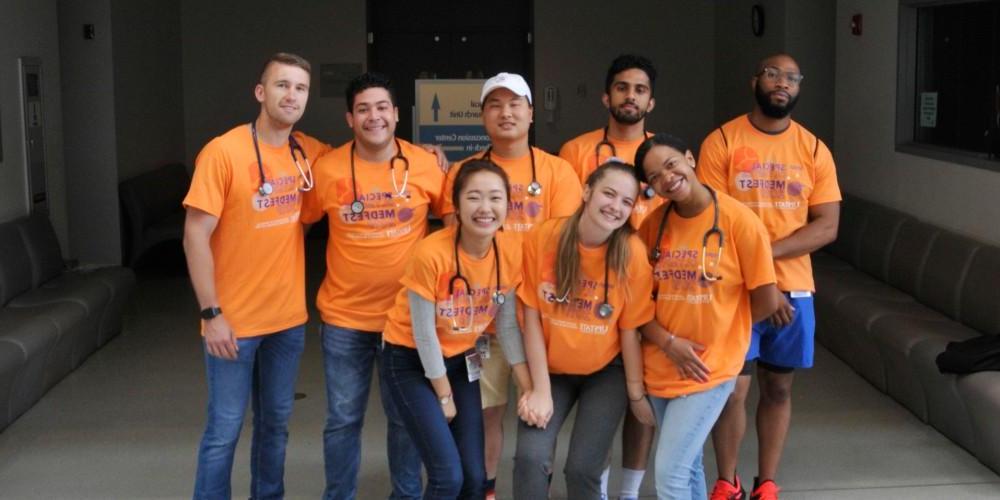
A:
568, 251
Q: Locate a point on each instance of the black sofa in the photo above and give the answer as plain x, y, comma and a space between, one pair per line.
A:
892, 292
51, 317
151, 209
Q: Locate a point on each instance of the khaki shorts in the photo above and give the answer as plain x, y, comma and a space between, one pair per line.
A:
495, 380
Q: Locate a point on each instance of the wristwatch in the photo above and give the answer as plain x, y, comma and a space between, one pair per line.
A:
444, 400
210, 312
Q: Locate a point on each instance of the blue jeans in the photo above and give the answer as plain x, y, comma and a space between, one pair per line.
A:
453, 452
348, 357
266, 368
684, 424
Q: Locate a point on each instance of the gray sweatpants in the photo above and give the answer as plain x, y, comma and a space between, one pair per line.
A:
602, 399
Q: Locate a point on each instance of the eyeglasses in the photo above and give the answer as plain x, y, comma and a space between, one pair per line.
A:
773, 74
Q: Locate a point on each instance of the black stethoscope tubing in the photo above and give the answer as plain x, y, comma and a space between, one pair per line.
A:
265, 187
648, 192
358, 206
605, 310
497, 297
535, 188
713, 231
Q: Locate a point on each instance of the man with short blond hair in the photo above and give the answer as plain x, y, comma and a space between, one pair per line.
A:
245, 253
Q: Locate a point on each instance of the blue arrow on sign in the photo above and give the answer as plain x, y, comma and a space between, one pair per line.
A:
435, 105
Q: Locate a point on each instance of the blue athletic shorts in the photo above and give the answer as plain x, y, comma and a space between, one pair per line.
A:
790, 346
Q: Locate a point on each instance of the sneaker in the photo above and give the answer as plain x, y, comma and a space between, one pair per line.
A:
768, 490
724, 490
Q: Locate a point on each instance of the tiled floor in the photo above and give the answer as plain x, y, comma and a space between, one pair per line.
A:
127, 423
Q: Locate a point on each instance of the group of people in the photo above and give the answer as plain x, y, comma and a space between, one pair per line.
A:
621, 277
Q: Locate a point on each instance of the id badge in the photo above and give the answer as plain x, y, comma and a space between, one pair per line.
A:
483, 346
473, 365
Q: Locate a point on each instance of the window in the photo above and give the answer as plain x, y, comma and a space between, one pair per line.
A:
948, 103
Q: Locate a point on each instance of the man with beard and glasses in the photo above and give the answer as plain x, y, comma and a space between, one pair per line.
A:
628, 96
786, 175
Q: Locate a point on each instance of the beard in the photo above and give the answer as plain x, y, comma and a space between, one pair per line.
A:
769, 108
621, 116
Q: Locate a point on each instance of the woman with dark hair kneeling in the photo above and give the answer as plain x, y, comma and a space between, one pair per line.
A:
457, 281
587, 287
714, 277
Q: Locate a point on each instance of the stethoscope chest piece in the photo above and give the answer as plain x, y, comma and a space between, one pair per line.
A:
534, 189
499, 298
265, 189
649, 193
357, 207
605, 310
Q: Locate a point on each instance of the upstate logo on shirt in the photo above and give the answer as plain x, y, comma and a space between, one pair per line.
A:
284, 202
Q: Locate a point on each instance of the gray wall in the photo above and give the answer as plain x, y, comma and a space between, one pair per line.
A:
27, 28
226, 42
953, 196
573, 55
149, 96
89, 127
803, 29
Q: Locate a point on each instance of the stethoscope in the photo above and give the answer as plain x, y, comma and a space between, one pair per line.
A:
647, 193
293, 145
358, 206
497, 296
605, 310
713, 231
535, 188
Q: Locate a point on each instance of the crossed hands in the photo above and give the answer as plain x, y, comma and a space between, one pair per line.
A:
535, 408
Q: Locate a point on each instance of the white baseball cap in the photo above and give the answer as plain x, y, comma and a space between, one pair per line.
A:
510, 81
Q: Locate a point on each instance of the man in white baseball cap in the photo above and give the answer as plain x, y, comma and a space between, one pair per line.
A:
542, 186
510, 81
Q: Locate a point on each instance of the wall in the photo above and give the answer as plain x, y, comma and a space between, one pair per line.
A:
225, 44
803, 29
88, 90
737, 52
573, 55
953, 196
810, 36
149, 102
27, 28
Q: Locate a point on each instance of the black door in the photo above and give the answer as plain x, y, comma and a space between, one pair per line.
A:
446, 39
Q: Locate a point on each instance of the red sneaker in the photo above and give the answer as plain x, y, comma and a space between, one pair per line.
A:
767, 490
724, 490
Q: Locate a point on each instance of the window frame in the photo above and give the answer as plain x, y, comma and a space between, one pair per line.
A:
906, 93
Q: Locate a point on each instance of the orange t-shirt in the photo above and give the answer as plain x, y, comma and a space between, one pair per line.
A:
428, 272
581, 153
257, 246
366, 253
779, 176
561, 192
577, 340
715, 314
